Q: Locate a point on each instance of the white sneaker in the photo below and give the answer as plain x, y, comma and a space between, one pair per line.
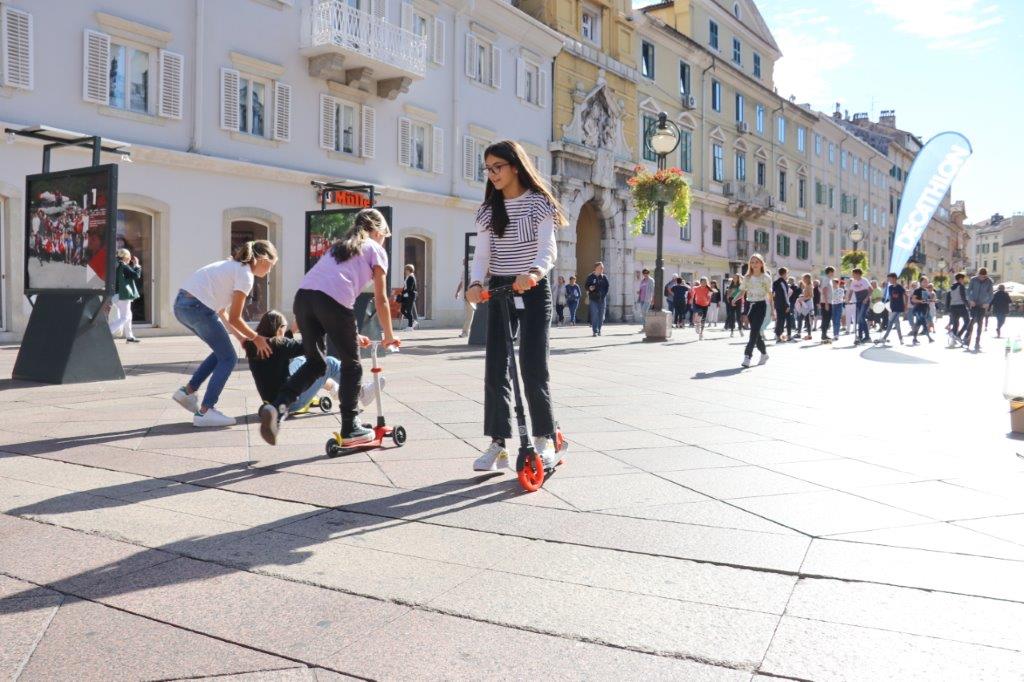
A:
495, 456
545, 447
190, 401
764, 359
746, 361
212, 418
368, 391
331, 387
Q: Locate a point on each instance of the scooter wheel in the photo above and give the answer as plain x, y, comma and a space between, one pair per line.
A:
326, 403
398, 435
531, 476
330, 447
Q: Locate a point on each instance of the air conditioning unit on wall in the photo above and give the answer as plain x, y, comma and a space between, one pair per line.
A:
742, 128
689, 102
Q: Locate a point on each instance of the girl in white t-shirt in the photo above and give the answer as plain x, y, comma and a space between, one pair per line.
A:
209, 303
756, 288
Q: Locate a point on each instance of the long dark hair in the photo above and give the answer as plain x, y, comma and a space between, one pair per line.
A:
512, 152
366, 221
271, 321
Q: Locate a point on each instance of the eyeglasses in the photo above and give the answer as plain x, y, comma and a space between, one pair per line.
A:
495, 169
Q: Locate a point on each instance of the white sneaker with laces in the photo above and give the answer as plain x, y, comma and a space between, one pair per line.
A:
764, 359
545, 447
190, 401
494, 456
746, 361
368, 391
212, 418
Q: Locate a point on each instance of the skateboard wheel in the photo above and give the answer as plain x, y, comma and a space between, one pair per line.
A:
326, 403
398, 435
531, 475
330, 446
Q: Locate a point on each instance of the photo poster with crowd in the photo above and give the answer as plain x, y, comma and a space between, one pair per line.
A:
323, 228
70, 226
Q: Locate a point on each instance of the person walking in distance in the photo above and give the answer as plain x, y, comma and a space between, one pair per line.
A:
731, 301
805, 305
666, 295
644, 297
859, 292
409, 296
468, 310
958, 309
838, 306
517, 247
826, 290
701, 302
1000, 308
559, 297
572, 299
896, 296
780, 296
756, 288
979, 297
597, 297
920, 300
126, 290
210, 301
716, 302
680, 292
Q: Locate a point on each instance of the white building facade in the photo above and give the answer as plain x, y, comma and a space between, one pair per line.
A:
233, 107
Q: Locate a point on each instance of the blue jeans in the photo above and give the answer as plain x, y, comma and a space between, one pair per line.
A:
837, 318
573, 305
205, 324
333, 372
596, 309
863, 334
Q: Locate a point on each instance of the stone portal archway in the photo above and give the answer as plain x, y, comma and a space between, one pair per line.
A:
588, 248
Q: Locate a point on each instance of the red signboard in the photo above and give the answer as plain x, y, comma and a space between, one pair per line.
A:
341, 197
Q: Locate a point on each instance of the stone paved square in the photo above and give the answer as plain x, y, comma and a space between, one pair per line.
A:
834, 514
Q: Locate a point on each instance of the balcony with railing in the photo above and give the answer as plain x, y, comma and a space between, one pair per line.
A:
740, 249
747, 200
361, 49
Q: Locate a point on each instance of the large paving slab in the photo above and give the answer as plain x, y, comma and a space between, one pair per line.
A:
709, 524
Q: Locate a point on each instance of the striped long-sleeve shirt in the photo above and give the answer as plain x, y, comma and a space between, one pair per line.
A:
527, 243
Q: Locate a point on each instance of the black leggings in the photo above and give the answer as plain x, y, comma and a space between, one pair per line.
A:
317, 314
409, 309
758, 310
535, 322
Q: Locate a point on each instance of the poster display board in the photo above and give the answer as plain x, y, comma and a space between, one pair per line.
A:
70, 229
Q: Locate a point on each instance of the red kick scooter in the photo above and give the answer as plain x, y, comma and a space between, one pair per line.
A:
529, 465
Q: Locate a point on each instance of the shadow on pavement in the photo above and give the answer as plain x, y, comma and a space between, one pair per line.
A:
727, 372
285, 549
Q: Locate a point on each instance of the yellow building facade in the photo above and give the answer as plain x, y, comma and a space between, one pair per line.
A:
594, 138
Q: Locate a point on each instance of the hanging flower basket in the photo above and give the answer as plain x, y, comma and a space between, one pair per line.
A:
663, 186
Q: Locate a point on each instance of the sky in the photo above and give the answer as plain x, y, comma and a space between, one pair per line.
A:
941, 64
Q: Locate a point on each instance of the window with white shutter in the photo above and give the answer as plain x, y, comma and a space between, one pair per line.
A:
407, 15
16, 39
495, 67
328, 121
96, 68
229, 99
437, 137
471, 55
468, 157
377, 8
520, 77
282, 112
439, 38
528, 81
369, 132
542, 87
404, 142
172, 66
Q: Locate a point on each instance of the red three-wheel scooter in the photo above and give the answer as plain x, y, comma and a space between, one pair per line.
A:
529, 465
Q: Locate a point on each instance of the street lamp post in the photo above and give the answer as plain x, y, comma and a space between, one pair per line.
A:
662, 138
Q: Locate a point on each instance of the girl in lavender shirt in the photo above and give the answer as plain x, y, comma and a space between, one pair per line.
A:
323, 305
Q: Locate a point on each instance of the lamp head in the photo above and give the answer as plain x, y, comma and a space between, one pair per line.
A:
664, 136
